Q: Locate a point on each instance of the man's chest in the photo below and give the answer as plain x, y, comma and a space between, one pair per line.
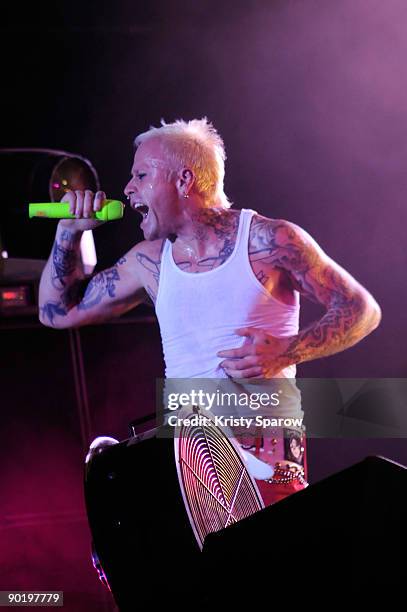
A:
214, 254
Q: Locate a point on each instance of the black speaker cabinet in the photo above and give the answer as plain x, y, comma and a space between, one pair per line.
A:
346, 533
140, 527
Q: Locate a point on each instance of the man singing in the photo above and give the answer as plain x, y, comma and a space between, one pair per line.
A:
225, 283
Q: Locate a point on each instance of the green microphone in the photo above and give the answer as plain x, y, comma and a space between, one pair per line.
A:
110, 211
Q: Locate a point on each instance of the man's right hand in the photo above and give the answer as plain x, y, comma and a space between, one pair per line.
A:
82, 204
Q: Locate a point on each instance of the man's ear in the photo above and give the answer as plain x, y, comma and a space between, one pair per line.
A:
186, 179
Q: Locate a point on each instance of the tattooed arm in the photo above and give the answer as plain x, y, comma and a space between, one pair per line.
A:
68, 299
351, 312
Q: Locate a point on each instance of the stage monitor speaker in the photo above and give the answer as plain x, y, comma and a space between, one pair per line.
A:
346, 532
140, 527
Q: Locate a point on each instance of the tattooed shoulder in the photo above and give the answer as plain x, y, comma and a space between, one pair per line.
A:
281, 243
264, 230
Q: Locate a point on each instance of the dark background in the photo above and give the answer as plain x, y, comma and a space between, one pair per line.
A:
310, 98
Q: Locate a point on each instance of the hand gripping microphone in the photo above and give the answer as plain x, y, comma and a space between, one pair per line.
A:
110, 211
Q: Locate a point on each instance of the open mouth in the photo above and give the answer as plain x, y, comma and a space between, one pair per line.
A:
142, 209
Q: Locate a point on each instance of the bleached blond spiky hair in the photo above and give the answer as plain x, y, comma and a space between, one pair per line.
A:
197, 145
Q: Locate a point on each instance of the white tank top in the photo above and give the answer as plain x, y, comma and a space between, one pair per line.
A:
198, 313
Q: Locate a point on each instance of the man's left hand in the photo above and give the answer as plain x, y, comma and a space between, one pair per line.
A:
261, 356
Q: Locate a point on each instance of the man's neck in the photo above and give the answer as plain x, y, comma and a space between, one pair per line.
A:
201, 228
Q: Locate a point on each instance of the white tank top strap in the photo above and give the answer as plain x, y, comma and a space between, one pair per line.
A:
166, 248
242, 239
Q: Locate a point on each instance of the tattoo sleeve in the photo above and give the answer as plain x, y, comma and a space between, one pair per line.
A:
351, 312
65, 258
63, 279
101, 285
64, 285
